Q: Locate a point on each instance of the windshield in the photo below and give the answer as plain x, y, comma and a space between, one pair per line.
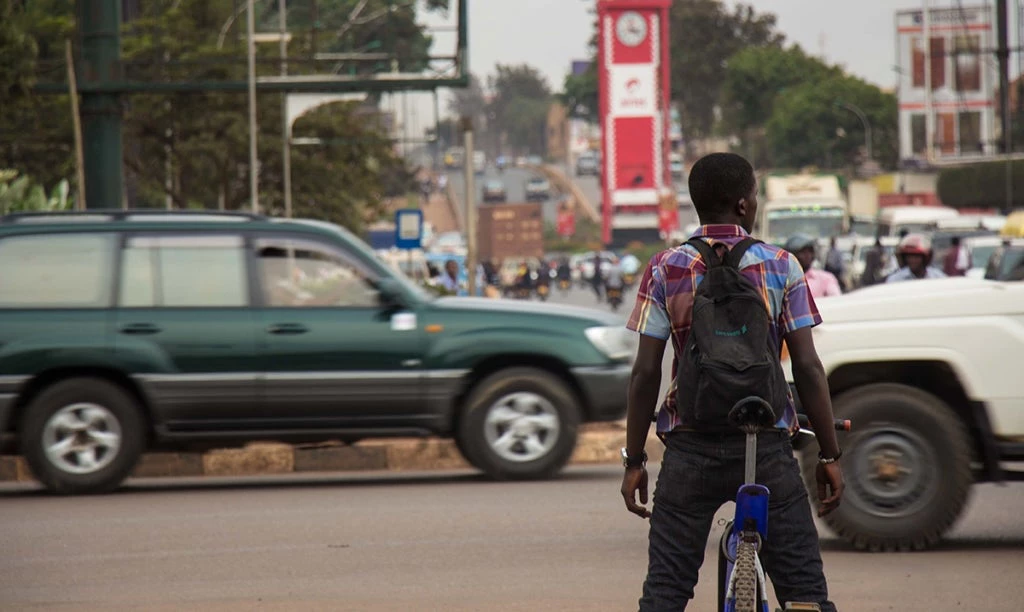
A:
864, 227
981, 254
822, 223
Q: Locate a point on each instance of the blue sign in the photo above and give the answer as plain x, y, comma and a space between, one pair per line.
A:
408, 228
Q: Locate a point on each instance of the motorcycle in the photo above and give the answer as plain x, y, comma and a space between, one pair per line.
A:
613, 295
564, 284
542, 292
629, 279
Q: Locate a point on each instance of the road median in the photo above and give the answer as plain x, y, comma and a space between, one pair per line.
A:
597, 444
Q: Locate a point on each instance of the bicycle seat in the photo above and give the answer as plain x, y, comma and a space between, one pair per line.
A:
752, 414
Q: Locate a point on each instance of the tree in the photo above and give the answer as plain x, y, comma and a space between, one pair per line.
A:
807, 128
982, 185
704, 35
755, 78
194, 147
580, 94
469, 102
35, 130
519, 108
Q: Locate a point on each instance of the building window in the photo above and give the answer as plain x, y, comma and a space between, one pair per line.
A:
970, 133
967, 63
918, 134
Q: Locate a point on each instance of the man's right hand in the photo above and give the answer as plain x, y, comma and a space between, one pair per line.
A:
830, 486
634, 481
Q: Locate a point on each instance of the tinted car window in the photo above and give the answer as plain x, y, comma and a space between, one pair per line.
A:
303, 274
56, 271
184, 272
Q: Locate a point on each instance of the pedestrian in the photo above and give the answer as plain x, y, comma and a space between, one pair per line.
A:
915, 257
957, 261
874, 262
450, 278
702, 470
597, 280
822, 283
835, 264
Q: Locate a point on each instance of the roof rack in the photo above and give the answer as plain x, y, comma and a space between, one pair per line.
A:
119, 214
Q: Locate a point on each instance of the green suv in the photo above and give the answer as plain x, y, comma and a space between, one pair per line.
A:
128, 331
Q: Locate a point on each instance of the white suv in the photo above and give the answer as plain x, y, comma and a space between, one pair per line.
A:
929, 372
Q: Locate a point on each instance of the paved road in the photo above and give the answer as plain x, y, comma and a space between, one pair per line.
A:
417, 541
515, 186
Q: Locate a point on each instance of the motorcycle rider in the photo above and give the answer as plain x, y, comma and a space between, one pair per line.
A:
597, 280
915, 256
564, 272
822, 283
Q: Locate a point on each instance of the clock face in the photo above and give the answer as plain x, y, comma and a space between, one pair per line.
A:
631, 28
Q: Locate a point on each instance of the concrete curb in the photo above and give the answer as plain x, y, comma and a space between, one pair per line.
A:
597, 444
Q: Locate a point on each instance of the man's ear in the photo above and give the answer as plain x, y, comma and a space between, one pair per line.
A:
741, 208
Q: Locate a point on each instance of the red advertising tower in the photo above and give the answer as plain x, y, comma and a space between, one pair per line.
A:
634, 103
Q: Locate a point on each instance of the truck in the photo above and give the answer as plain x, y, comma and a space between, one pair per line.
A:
928, 372
812, 204
514, 230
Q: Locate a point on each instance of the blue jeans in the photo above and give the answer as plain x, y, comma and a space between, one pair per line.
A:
701, 472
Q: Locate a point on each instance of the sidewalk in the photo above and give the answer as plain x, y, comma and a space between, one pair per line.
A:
598, 443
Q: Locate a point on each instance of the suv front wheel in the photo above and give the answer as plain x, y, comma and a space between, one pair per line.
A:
82, 435
519, 423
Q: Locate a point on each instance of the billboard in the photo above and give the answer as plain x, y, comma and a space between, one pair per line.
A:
943, 67
633, 84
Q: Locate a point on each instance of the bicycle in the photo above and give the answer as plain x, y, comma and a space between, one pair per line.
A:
742, 586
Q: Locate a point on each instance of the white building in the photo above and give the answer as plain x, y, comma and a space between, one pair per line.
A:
963, 80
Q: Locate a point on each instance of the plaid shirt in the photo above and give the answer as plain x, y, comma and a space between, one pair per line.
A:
664, 303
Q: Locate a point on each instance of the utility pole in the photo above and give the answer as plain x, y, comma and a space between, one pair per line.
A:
286, 126
467, 134
929, 114
1003, 55
254, 181
99, 27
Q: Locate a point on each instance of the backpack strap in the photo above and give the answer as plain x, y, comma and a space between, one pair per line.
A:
736, 253
707, 253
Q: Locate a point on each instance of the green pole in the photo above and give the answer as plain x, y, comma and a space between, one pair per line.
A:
99, 26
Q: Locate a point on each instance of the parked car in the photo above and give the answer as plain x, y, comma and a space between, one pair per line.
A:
128, 331
588, 164
928, 373
538, 188
494, 191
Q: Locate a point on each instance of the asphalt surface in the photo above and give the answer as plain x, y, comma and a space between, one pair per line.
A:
426, 541
446, 541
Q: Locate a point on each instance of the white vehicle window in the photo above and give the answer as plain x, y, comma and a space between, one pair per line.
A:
57, 270
184, 272
302, 274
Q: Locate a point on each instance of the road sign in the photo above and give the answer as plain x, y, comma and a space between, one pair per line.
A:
408, 228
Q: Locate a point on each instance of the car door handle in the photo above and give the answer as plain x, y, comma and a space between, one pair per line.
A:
140, 329
287, 328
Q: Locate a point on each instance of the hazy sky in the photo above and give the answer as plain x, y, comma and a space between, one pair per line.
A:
549, 34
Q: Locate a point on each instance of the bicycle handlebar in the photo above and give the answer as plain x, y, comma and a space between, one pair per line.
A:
840, 424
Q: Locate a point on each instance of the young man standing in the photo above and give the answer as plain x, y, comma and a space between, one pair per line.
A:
701, 471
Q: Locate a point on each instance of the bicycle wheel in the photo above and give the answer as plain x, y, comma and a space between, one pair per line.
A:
745, 571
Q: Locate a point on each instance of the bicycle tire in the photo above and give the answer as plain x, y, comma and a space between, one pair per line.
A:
745, 590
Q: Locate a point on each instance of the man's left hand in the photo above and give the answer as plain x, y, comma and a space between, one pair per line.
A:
634, 480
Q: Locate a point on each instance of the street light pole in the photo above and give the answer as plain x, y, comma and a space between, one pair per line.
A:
467, 128
864, 120
286, 127
253, 159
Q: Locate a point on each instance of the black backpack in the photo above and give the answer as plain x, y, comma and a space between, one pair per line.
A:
729, 354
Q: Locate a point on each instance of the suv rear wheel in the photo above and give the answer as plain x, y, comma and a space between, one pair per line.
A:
907, 465
82, 435
519, 423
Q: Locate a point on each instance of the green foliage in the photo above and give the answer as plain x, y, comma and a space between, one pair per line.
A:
806, 128
511, 113
200, 141
704, 35
579, 94
20, 194
982, 185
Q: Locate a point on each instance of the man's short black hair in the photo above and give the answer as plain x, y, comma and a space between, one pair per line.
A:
718, 182
955, 241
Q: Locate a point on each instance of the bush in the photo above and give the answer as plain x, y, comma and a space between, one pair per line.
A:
981, 185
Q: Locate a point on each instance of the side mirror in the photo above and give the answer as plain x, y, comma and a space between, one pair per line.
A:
390, 294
